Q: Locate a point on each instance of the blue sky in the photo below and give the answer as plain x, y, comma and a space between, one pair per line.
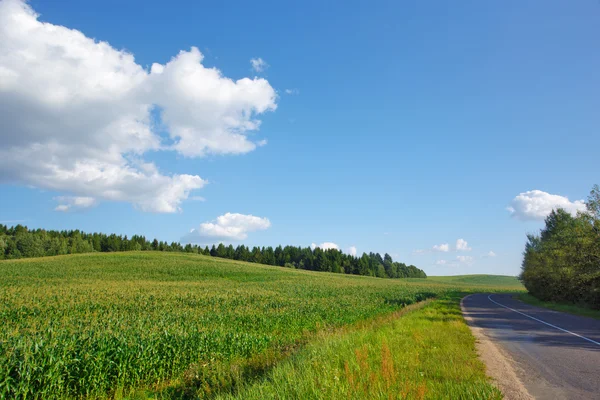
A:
390, 126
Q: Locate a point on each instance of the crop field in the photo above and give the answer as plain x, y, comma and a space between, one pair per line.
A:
169, 325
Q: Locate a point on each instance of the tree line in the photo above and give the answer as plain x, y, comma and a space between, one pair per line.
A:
20, 242
562, 262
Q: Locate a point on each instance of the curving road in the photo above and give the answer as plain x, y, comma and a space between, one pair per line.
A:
557, 355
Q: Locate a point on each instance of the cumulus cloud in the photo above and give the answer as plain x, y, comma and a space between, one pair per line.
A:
78, 115
258, 64
352, 251
444, 247
490, 254
292, 91
68, 203
325, 246
537, 205
462, 245
329, 245
231, 226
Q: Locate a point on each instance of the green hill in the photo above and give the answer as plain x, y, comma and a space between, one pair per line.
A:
104, 324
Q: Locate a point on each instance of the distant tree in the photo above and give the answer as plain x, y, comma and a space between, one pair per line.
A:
593, 202
230, 252
19, 241
256, 255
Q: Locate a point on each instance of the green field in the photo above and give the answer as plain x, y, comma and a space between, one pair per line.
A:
510, 283
171, 325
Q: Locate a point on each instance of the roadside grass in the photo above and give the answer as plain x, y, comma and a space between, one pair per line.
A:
581, 310
424, 352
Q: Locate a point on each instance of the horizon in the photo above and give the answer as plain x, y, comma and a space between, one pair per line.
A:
441, 135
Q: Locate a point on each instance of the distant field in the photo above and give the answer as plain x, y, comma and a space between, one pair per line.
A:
174, 324
496, 281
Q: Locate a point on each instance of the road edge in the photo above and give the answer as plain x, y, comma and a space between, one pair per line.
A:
499, 365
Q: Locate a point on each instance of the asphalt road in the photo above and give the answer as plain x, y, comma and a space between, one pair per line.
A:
552, 362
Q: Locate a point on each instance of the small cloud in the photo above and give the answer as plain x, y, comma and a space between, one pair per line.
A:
262, 143
444, 247
446, 263
352, 251
258, 64
325, 246
329, 245
537, 205
489, 254
69, 203
292, 91
230, 226
462, 245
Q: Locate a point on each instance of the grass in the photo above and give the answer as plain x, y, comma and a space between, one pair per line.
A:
564, 307
175, 325
428, 353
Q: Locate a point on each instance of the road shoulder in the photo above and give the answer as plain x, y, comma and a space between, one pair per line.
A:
499, 365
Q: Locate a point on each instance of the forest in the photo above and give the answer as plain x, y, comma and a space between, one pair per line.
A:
20, 242
562, 262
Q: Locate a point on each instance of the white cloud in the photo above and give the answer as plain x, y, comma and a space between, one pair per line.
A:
228, 227
325, 246
536, 205
78, 115
292, 91
445, 247
206, 112
490, 254
441, 262
258, 64
68, 203
352, 251
464, 259
462, 245
329, 245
